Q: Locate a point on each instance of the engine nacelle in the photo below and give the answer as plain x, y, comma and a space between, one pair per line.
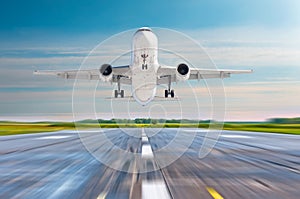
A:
105, 72
182, 72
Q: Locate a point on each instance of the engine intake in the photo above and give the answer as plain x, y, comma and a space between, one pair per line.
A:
106, 72
183, 69
183, 72
106, 69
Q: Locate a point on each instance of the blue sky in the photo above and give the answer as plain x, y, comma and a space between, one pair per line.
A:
52, 34
105, 15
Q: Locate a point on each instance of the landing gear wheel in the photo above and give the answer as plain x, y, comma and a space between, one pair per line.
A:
172, 93
121, 93
169, 92
166, 93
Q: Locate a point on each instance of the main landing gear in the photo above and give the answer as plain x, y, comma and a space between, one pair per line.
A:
119, 91
169, 91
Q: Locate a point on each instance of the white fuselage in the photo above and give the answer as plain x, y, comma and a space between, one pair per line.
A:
144, 65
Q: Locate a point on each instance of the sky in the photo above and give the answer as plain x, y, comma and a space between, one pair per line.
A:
249, 34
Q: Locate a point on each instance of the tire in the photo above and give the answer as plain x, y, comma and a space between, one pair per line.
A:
116, 94
166, 93
172, 93
122, 93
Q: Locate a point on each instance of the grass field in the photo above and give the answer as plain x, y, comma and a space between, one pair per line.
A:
265, 127
13, 128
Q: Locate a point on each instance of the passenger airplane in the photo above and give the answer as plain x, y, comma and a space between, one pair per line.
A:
144, 72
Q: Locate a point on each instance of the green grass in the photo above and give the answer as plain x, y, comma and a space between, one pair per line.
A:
13, 128
265, 127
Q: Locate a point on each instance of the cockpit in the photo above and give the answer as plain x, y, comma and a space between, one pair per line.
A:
144, 29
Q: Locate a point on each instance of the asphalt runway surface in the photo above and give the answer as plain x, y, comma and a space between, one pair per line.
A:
241, 165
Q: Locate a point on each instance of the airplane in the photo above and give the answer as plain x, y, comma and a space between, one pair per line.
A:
144, 73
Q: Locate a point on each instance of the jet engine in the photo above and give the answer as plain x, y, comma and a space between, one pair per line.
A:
182, 72
105, 72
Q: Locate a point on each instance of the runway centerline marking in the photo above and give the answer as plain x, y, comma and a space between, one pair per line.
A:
214, 193
146, 147
54, 137
154, 189
145, 139
147, 151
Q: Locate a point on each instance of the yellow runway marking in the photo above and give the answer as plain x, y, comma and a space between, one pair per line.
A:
214, 193
102, 196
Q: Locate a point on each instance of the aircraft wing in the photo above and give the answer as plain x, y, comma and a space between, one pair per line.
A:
122, 72
166, 72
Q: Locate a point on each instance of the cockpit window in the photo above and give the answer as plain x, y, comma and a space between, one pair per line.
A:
144, 29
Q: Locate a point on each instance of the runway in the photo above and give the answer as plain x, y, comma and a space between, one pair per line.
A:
241, 165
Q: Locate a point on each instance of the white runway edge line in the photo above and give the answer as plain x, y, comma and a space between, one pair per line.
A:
156, 189
54, 137
235, 136
197, 130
